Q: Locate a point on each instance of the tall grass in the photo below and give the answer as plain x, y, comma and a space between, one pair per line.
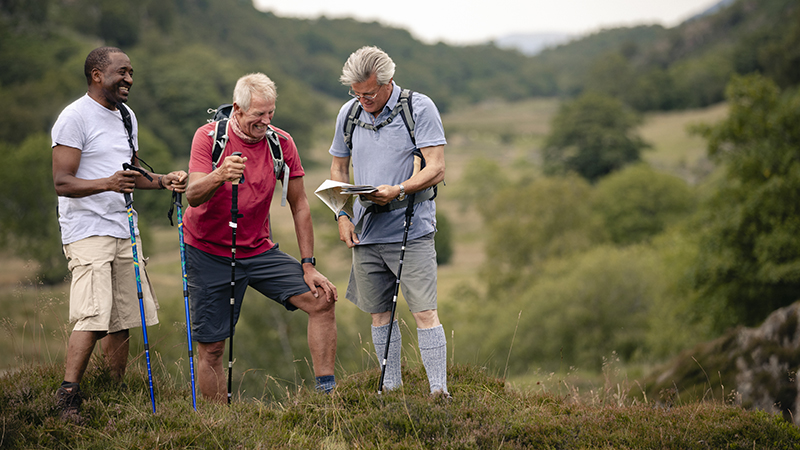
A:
484, 413
559, 411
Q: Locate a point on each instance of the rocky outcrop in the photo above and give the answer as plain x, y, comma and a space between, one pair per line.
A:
756, 367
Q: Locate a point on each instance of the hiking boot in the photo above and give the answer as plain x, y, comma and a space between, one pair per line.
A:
68, 401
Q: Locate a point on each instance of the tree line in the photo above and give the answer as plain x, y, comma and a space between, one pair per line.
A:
636, 264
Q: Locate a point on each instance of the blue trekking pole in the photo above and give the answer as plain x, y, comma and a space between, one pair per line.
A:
176, 196
129, 207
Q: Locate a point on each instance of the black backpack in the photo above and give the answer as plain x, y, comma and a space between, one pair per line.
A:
220, 137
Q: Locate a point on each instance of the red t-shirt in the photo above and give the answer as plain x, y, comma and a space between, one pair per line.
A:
206, 227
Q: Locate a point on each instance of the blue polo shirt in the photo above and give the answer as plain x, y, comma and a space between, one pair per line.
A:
385, 156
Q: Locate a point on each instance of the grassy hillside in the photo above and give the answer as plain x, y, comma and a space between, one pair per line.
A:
484, 413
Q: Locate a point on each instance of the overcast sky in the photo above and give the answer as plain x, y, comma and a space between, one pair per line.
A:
474, 21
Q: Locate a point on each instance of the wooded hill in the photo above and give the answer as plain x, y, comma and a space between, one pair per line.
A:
188, 54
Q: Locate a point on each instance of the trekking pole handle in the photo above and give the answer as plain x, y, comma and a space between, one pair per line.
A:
242, 179
128, 166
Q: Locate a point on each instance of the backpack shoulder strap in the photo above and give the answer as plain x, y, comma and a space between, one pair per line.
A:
281, 172
126, 120
350, 123
219, 136
407, 113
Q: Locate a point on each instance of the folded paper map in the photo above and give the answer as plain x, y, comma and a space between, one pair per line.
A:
339, 196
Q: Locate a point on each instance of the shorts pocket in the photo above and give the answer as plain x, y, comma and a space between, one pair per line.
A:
83, 301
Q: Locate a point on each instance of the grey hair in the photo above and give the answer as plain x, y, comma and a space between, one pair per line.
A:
365, 61
252, 84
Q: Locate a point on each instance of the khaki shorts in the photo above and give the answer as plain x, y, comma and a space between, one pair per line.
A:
103, 294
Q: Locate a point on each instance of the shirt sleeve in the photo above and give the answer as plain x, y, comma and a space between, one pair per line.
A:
291, 156
428, 128
69, 130
200, 159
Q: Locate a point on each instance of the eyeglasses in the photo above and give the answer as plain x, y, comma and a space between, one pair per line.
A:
365, 96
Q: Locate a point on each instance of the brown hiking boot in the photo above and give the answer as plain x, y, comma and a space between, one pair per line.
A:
68, 401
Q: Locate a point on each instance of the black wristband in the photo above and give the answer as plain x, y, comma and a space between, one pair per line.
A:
312, 261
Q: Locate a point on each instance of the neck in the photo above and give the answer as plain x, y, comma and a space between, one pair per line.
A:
99, 98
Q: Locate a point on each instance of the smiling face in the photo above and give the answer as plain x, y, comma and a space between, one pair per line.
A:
112, 85
368, 89
255, 120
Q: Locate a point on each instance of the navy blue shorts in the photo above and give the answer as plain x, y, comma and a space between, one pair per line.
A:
273, 273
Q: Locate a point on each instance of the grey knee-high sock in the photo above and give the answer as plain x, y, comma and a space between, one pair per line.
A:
393, 377
433, 350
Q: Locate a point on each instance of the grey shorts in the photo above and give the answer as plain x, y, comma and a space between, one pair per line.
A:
273, 273
373, 275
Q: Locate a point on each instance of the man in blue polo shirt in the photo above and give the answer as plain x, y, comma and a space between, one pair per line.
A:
383, 155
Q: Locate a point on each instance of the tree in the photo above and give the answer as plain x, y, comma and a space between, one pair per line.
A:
583, 308
533, 221
592, 136
444, 239
637, 203
749, 261
28, 221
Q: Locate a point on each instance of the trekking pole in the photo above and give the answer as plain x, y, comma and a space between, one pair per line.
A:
233, 224
129, 207
177, 201
406, 225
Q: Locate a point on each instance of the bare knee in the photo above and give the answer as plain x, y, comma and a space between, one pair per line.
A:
314, 306
211, 351
427, 319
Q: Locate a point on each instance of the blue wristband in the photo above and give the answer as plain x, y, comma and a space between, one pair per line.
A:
342, 213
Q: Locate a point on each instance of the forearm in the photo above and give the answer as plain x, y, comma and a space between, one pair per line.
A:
73, 187
340, 170
432, 174
426, 178
304, 230
156, 182
202, 187
301, 215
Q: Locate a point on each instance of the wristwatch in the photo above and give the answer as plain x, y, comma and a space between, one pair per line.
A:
312, 261
402, 195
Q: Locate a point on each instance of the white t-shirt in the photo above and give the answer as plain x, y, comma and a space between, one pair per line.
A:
100, 135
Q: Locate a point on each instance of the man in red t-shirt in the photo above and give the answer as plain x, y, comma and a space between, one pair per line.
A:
259, 262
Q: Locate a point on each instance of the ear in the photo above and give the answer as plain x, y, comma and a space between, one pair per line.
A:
97, 76
237, 109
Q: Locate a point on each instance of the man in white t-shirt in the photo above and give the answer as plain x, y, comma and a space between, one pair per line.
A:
90, 146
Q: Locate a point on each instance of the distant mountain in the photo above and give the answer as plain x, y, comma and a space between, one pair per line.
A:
712, 9
532, 44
